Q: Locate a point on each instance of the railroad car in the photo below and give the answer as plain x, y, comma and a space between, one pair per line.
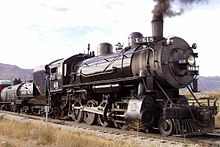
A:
23, 97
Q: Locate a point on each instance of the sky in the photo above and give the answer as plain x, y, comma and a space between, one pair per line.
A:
36, 32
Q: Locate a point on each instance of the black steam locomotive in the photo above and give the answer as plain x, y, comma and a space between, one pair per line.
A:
140, 82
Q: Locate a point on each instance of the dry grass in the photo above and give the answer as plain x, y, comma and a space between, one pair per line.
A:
214, 95
41, 136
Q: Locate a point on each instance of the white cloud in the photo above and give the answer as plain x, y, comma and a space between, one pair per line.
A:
38, 31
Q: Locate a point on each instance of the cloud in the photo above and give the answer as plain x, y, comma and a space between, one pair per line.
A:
36, 32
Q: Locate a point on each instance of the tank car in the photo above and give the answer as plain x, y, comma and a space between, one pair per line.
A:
140, 82
23, 97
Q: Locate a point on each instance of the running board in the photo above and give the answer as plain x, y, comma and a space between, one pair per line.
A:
95, 110
89, 109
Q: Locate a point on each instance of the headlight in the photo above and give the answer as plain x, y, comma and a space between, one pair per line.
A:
191, 60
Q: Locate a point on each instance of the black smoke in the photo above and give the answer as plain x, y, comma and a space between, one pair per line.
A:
164, 7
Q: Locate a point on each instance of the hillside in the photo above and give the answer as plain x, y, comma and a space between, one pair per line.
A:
211, 84
11, 72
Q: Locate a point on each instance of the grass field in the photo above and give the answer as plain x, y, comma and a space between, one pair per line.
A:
13, 134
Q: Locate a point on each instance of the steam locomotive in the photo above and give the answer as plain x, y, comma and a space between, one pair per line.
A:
140, 82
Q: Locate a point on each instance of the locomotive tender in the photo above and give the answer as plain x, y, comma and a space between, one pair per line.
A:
140, 82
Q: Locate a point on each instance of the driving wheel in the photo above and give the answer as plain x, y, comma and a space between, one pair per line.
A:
89, 117
101, 119
77, 114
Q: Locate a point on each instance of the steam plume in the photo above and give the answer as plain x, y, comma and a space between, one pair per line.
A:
164, 7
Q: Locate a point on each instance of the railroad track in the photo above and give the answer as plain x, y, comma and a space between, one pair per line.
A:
201, 140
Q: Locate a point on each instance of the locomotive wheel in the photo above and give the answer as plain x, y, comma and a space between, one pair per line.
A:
18, 108
55, 113
90, 118
77, 114
123, 126
148, 102
101, 119
166, 126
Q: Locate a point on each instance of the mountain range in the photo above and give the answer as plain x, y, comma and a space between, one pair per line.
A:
10, 72
209, 84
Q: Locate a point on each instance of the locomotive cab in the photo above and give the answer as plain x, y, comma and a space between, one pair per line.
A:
70, 67
56, 76
64, 71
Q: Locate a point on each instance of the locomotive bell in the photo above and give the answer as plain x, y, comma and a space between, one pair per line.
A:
104, 49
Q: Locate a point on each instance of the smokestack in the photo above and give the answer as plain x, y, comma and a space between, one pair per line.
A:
157, 25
